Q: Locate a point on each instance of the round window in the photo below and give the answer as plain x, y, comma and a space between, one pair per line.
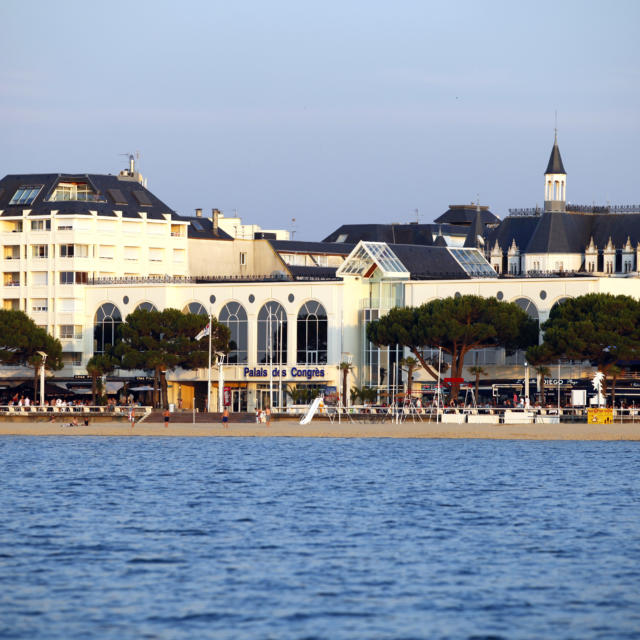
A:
291, 297
212, 299
252, 298
125, 299
543, 294
500, 295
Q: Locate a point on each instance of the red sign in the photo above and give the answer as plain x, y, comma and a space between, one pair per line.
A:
452, 380
227, 396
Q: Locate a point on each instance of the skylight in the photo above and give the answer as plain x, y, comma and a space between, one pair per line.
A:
473, 262
26, 194
367, 256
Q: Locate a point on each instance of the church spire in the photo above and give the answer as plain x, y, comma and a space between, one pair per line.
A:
555, 180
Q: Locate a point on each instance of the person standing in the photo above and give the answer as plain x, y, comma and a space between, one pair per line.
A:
268, 413
166, 415
225, 417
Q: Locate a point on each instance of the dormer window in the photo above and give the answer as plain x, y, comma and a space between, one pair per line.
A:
26, 194
74, 191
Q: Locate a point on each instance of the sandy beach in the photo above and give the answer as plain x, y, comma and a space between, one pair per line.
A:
322, 429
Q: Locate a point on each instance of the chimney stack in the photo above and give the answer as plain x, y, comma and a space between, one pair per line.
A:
215, 213
198, 213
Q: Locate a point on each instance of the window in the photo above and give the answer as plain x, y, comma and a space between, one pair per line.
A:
12, 279
243, 258
40, 251
11, 252
146, 306
70, 332
65, 227
107, 251
66, 305
39, 278
272, 333
106, 323
74, 250
66, 251
312, 334
131, 253
74, 277
76, 191
41, 225
234, 316
178, 255
39, 304
72, 359
25, 194
156, 255
195, 307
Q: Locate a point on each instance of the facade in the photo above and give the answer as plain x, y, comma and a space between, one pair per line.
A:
82, 251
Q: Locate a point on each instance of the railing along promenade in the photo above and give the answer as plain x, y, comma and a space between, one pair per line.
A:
36, 412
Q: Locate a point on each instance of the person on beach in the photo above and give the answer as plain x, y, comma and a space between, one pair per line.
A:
166, 415
132, 416
268, 415
225, 417
258, 416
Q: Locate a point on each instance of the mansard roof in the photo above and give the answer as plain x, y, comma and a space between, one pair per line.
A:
475, 237
465, 215
518, 228
109, 193
304, 246
555, 160
389, 233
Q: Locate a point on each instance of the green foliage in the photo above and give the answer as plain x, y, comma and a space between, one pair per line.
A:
599, 327
164, 340
99, 365
364, 394
457, 325
301, 395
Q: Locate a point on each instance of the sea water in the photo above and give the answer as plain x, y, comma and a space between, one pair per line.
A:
118, 538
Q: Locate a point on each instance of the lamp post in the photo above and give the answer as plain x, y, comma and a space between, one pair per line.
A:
43, 355
526, 385
220, 360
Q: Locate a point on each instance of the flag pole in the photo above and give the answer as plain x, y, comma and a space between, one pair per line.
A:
209, 370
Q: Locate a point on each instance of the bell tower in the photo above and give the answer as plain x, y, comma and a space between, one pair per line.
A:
555, 181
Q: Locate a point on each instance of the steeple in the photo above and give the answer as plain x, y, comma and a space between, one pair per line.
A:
555, 180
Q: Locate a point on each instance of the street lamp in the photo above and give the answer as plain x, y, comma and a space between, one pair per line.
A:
526, 385
220, 359
43, 355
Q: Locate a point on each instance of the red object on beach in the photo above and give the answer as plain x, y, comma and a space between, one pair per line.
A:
452, 380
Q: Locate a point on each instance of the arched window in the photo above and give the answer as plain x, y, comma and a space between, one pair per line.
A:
312, 333
234, 316
272, 334
146, 306
105, 331
557, 303
195, 307
528, 307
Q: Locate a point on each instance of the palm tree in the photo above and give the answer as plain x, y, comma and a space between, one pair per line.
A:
477, 371
615, 372
344, 367
542, 371
99, 365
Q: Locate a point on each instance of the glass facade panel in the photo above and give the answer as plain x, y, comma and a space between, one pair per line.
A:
312, 334
106, 322
272, 334
234, 316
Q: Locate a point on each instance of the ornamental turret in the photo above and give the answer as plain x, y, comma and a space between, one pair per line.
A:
555, 181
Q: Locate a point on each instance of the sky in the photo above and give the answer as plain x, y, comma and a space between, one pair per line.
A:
327, 112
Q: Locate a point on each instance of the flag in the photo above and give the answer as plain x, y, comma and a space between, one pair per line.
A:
204, 332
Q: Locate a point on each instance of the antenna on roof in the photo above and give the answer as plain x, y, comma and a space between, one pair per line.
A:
555, 128
417, 216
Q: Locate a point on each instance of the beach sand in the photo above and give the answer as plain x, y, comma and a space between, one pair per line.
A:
323, 429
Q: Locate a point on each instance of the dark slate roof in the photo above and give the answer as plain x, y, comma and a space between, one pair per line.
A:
520, 228
555, 160
428, 262
558, 232
440, 241
312, 273
302, 246
475, 237
421, 234
201, 228
465, 215
137, 197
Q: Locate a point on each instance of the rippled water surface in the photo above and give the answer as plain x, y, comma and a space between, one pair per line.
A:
316, 538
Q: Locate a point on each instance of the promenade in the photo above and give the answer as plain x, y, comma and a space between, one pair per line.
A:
324, 429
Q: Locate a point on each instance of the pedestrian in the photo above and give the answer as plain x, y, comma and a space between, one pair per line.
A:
166, 416
225, 417
258, 416
268, 412
132, 416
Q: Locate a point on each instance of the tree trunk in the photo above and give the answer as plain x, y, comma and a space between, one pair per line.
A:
156, 403
425, 366
613, 393
477, 386
163, 386
94, 388
345, 373
410, 382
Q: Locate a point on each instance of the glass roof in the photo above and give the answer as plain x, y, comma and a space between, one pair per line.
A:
367, 256
473, 262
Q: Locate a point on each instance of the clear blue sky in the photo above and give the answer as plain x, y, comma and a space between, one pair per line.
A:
327, 112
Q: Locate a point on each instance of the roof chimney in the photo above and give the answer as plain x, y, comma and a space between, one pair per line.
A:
215, 213
198, 213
